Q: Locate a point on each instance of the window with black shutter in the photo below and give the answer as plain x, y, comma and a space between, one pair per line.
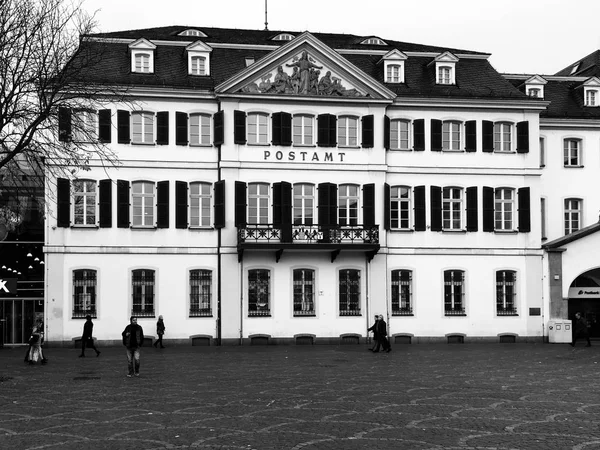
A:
122, 204
239, 127
436, 208
181, 128
123, 135
181, 204
471, 136
488, 208
436, 135
162, 204
240, 204
419, 135
386, 132
487, 131
63, 197
368, 132
524, 210
523, 137
219, 128
327, 130
327, 207
282, 209
104, 126
105, 203
220, 204
472, 221
64, 124
420, 208
369, 204
162, 128
386, 206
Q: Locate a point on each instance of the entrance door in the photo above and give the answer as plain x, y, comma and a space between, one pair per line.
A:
18, 316
590, 310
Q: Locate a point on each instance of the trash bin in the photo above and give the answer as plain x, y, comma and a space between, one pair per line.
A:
560, 331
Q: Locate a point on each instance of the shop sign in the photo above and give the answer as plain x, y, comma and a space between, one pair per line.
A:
8, 286
584, 292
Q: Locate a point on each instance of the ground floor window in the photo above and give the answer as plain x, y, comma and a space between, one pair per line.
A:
84, 293
349, 292
454, 293
142, 281
402, 293
258, 292
200, 293
304, 292
506, 293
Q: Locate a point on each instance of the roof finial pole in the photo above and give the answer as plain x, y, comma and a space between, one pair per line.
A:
266, 23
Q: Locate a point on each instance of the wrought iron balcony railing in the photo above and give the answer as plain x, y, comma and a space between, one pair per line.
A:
309, 234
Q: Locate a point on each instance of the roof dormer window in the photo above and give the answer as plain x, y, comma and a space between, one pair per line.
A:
534, 86
393, 66
591, 92
192, 32
142, 56
284, 37
373, 41
445, 68
574, 68
198, 58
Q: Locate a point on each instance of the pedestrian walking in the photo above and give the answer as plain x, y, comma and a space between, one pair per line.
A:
580, 330
133, 339
160, 330
35, 343
385, 343
375, 329
86, 338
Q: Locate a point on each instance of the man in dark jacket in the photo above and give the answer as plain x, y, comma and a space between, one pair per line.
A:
580, 330
86, 338
375, 329
133, 339
382, 331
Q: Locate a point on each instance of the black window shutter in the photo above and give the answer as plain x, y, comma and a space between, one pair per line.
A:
63, 204
386, 132
162, 128
488, 209
181, 205
326, 125
239, 127
523, 137
123, 135
276, 128
105, 203
219, 128
420, 208
369, 204
419, 134
471, 136
162, 204
436, 208
64, 124
386, 207
472, 221
286, 129
524, 210
368, 132
181, 128
240, 204
327, 207
122, 204
487, 131
104, 126
277, 205
220, 204
436, 135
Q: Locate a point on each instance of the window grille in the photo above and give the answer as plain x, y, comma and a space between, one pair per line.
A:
349, 292
84, 293
402, 293
143, 293
506, 293
200, 293
454, 293
304, 292
258, 292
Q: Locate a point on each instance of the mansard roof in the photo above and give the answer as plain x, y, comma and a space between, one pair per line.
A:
588, 66
475, 77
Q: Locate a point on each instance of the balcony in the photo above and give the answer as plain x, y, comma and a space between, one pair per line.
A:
336, 238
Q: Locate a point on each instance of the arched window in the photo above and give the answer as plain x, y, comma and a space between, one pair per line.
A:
84, 293
259, 297
402, 293
349, 292
142, 287
506, 293
304, 292
454, 293
200, 293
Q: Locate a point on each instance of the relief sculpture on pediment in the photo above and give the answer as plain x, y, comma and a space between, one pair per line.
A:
305, 79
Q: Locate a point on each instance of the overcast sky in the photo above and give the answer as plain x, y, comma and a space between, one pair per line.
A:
523, 36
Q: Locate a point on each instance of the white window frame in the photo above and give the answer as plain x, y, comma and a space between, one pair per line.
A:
197, 65
200, 202
303, 130
259, 203
400, 138
85, 126
452, 135
348, 131
284, 37
88, 199
194, 50
349, 202
573, 215
143, 128
257, 128
146, 216
444, 74
401, 207
200, 130
504, 209
140, 50
572, 152
453, 208
304, 204
503, 137
542, 151
591, 97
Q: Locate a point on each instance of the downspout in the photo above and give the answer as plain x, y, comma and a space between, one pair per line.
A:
543, 304
219, 255
241, 301
367, 298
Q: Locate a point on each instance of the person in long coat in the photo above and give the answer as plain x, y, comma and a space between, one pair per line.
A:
86, 338
375, 329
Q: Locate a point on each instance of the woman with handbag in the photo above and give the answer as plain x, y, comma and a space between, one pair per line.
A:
35, 343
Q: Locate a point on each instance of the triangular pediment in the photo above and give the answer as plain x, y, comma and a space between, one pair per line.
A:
305, 67
592, 82
199, 46
446, 57
394, 55
142, 44
536, 79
